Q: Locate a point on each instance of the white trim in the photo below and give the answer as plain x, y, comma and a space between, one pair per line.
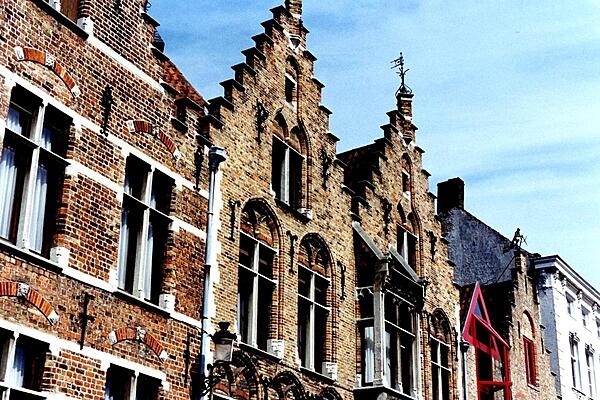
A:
75, 168
65, 345
128, 65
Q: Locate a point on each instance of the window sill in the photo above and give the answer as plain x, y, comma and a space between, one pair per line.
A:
143, 303
258, 352
62, 19
371, 392
30, 256
534, 387
294, 211
315, 374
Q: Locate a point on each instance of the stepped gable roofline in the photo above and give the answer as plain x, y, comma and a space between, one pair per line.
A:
175, 78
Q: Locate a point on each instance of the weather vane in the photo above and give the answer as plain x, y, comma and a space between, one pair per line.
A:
399, 63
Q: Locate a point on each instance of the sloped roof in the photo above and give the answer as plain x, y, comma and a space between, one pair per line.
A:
174, 78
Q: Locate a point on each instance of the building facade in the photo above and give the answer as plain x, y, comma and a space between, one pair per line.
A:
570, 314
103, 205
503, 348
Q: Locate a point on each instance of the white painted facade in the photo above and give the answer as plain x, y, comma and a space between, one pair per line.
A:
570, 314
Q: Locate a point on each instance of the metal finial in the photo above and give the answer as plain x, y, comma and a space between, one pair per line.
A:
399, 63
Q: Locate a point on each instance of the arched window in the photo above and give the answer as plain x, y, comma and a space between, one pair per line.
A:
528, 333
313, 310
439, 343
287, 164
406, 176
292, 72
256, 275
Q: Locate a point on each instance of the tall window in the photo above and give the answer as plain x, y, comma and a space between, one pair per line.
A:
144, 229
31, 172
575, 363
529, 349
286, 180
21, 366
400, 338
407, 246
441, 370
570, 304
367, 334
256, 283
312, 305
585, 316
124, 384
591, 372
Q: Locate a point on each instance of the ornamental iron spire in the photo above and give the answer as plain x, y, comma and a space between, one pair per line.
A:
399, 63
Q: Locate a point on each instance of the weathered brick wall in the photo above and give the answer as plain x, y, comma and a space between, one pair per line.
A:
247, 175
375, 174
89, 215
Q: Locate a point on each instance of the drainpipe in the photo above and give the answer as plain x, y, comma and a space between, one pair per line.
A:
216, 155
464, 348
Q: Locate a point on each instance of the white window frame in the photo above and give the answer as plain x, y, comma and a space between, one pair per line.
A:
575, 363
32, 139
252, 333
143, 268
570, 304
398, 356
285, 172
133, 383
403, 237
585, 316
438, 368
308, 359
7, 384
591, 372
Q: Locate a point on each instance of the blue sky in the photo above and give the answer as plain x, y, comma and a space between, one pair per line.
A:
507, 96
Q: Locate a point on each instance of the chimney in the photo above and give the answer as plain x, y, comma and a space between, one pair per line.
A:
294, 7
451, 194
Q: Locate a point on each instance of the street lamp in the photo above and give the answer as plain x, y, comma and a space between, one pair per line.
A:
223, 341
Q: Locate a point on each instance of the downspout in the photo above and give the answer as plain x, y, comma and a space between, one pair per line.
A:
216, 155
464, 348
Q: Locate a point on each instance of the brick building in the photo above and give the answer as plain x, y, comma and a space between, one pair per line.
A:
503, 350
102, 225
135, 215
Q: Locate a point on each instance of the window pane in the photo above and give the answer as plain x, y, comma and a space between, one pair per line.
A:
55, 132
131, 226
295, 189
321, 286
9, 175
277, 169
155, 249
246, 254
245, 286
303, 331
147, 388
304, 277
265, 261
368, 355
320, 337
162, 187
28, 364
263, 312
118, 383
406, 354
136, 174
